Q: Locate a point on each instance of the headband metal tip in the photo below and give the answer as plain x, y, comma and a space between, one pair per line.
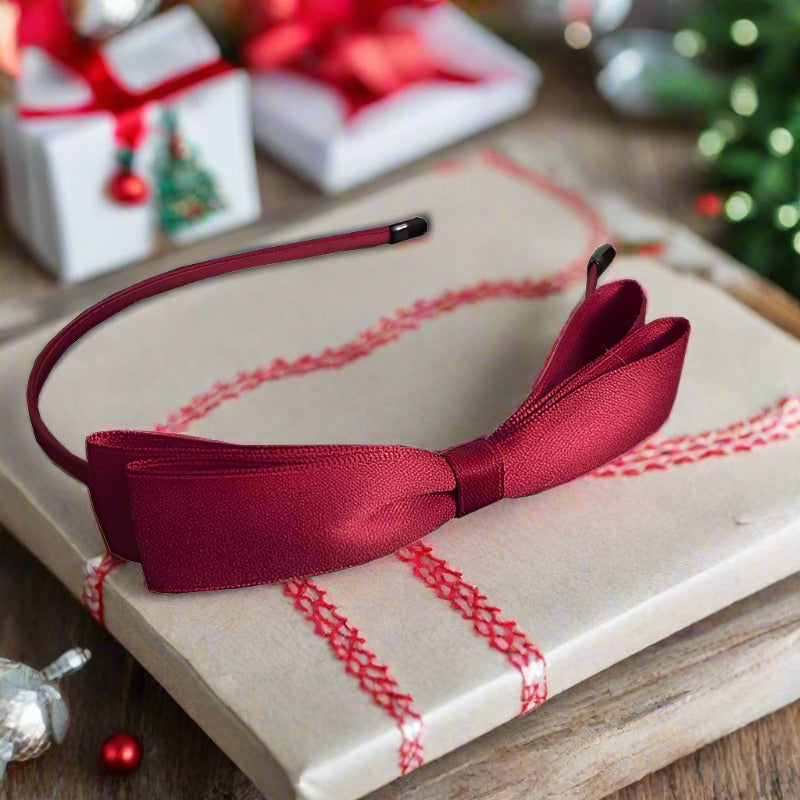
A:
407, 229
602, 258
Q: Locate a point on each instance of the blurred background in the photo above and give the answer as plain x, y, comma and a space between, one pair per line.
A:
713, 87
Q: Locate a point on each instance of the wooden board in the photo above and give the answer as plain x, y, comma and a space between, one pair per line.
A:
615, 728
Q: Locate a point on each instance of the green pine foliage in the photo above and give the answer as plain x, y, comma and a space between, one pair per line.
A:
752, 142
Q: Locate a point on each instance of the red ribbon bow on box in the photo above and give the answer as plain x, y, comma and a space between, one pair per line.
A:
44, 24
203, 514
353, 45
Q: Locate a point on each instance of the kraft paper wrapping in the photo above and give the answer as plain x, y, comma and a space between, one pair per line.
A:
590, 572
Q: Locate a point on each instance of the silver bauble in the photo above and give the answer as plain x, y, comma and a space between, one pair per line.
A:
33, 713
550, 16
635, 62
99, 19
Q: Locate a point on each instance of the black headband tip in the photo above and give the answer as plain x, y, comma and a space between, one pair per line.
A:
602, 258
408, 229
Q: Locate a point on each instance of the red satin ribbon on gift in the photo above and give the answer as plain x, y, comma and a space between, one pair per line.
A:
353, 47
204, 514
43, 24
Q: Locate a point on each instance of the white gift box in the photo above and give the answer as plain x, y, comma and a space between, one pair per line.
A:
304, 122
58, 168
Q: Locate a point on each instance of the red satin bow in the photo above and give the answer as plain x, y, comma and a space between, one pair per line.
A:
353, 46
43, 24
203, 514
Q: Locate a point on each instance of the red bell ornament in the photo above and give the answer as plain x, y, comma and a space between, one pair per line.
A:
125, 186
121, 753
128, 188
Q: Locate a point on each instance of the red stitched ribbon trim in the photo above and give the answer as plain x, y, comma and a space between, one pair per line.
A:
773, 425
388, 330
502, 635
95, 571
359, 661
329, 623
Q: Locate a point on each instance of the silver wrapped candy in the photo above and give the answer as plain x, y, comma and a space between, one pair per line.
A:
99, 19
33, 713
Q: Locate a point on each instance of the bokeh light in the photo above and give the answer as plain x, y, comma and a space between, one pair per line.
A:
744, 97
744, 32
578, 34
787, 216
727, 127
688, 43
780, 141
738, 206
710, 143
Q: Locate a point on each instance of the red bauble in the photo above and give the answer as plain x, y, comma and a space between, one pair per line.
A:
121, 753
655, 248
128, 188
708, 204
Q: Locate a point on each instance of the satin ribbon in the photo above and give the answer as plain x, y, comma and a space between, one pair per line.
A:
43, 24
204, 514
354, 47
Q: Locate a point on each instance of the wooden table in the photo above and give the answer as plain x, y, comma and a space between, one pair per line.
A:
653, 165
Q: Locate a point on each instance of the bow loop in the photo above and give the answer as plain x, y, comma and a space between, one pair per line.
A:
600, 412
601, 321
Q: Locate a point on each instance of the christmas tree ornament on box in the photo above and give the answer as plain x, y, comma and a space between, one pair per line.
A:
110, 146
345, 91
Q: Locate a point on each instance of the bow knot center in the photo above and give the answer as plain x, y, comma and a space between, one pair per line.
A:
478, 469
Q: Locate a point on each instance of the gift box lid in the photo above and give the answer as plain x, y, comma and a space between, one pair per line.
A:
169, 44
334, 142
331, 687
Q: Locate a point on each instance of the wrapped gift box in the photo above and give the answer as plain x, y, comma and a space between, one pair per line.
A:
59, 168
306, 124
328, 688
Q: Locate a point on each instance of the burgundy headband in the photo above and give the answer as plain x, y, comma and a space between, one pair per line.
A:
204, 514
